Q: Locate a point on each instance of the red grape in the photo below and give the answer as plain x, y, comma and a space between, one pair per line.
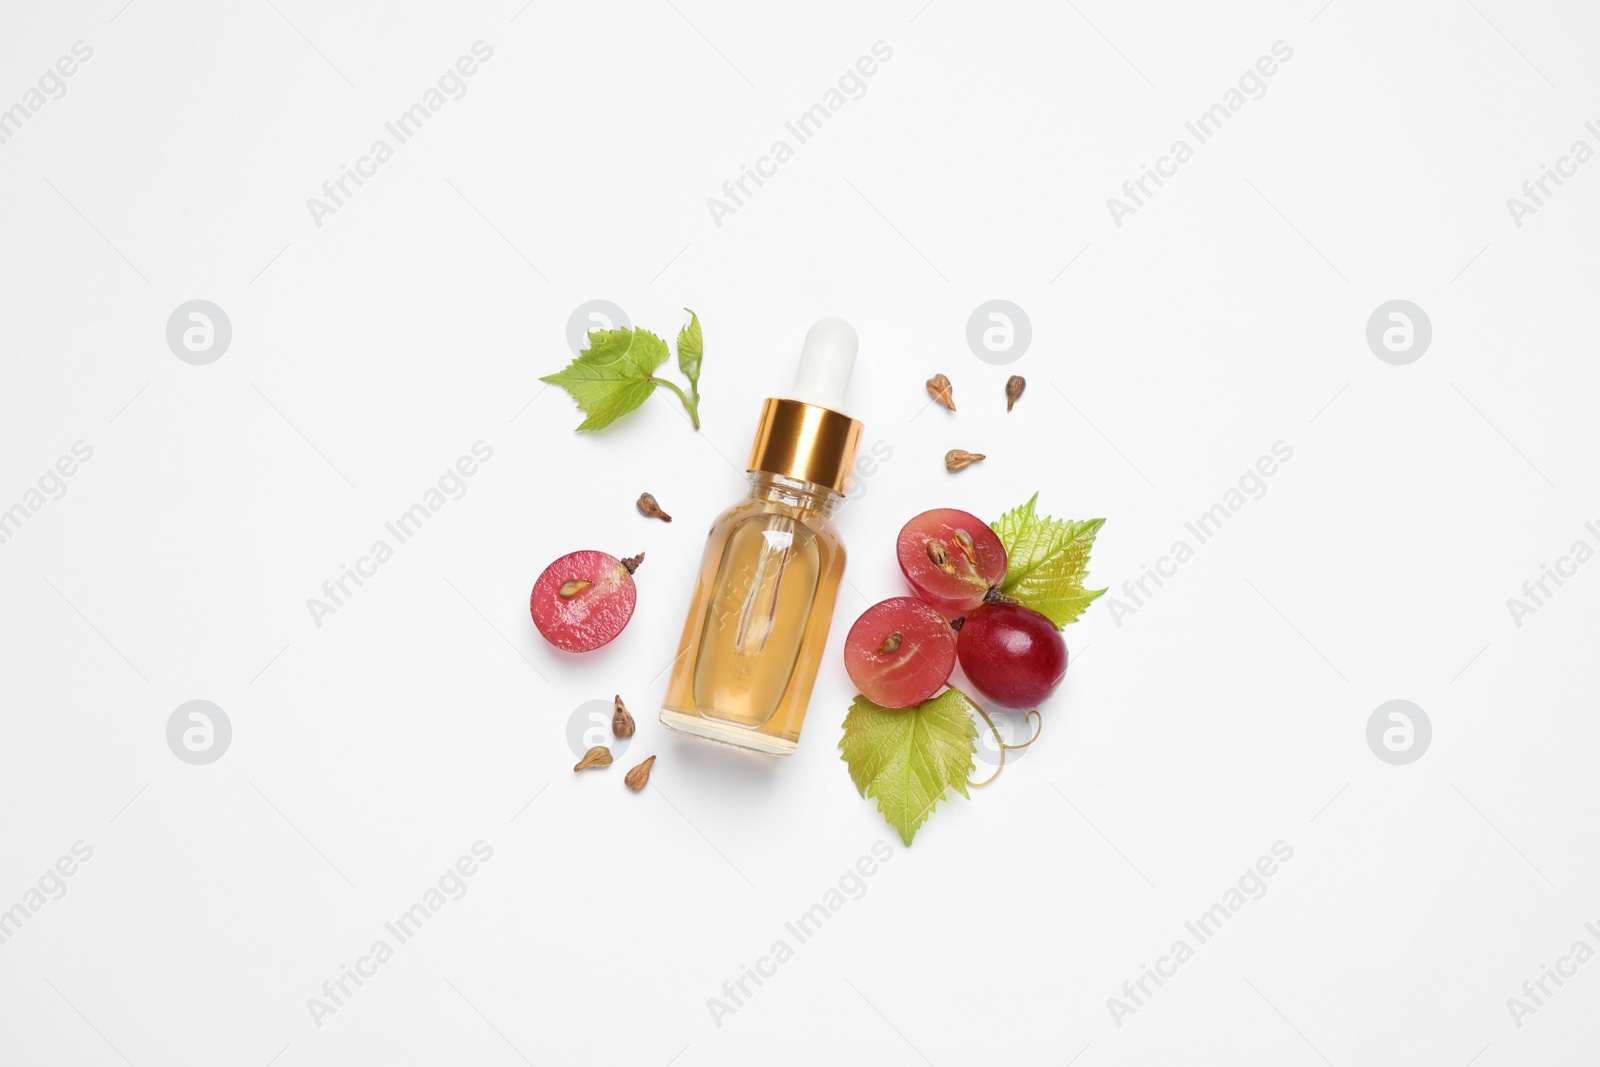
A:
1012, 655
900, 652
584, 599
951, 558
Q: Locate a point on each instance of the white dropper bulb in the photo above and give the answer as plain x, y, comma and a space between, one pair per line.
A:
826, 360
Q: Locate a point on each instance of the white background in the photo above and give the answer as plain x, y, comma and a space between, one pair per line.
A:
1226, 714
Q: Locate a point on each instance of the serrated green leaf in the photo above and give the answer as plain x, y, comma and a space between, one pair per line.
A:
907, 757
691, 347
1046, 561
612, 376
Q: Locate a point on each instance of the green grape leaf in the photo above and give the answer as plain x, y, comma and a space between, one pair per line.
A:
907, 757
691, 347
1046, 561
612, 376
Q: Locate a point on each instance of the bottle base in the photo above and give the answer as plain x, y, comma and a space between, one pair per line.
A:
724, 733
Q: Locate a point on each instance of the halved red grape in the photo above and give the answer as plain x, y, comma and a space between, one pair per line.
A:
584, 599
951, 558
1012, 655
900, 652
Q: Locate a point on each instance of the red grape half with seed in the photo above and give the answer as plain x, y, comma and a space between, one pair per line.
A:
584, 599
900, 652
1012, 655
952, 559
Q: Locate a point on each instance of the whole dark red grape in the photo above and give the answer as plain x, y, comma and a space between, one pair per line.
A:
1012, 655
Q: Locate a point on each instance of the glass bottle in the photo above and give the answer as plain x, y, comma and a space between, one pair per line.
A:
759, 616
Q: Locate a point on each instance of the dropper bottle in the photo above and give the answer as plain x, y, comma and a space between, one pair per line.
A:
759, 616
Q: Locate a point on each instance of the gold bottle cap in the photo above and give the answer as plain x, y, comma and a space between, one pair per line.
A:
804, 441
